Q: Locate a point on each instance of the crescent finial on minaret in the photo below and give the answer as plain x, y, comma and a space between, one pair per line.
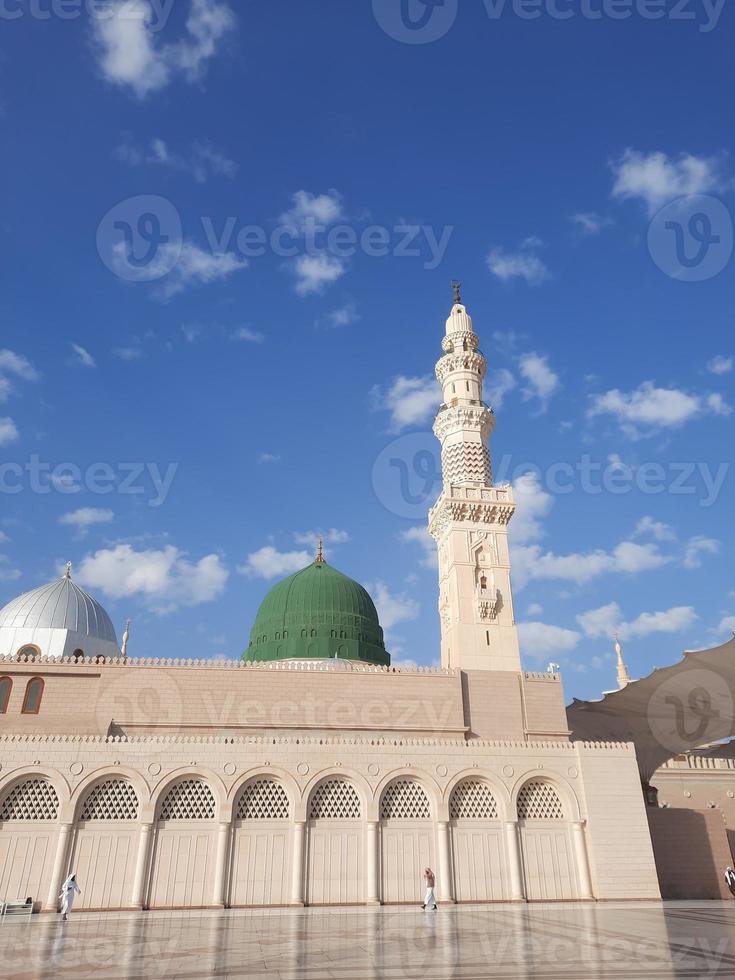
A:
457, 286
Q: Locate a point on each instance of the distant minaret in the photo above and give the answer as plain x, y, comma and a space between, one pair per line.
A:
126, 639
470, 520
623, 675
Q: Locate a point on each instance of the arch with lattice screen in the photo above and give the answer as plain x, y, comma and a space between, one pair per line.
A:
539, 800
114, 799
405, 799
190, 799
263, 799
473, 799
33, 799
335, 799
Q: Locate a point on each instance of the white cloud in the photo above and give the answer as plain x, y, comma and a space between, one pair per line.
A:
127, 353
268, 458
315, 272
18, 365
533, 503
130, 54
201, 162
721, 364
647, 409
542, 641
251, 336
392, 609
542, 382
7, 573
180, 266
656, 178
531, 563
421, 537
8, 431
343, 316
322, 209
524, 264
589, 223
410, 401
269, 563
499, 384
164, 579
608, 620
535, 609
727, 625
657, 529
83, 356
333, 536
86, 517
697, 547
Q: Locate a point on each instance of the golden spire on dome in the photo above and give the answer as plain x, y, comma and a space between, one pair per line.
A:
320, 559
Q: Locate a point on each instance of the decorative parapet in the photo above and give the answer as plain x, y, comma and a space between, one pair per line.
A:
542, 676
327, 666
699, 762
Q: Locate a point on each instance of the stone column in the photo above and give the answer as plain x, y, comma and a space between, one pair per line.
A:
515, 869
445, 883
220, 870
299, 848
137, 900
373, 862
60, 862
583, 863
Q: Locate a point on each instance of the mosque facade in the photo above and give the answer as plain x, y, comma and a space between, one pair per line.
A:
312, 772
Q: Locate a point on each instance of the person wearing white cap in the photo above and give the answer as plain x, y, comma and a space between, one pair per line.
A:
69, 891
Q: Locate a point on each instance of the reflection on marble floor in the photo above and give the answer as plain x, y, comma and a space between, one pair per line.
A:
556, 942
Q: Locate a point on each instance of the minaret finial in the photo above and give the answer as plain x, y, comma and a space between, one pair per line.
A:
320, 559
68, 569
623, 675
457, 286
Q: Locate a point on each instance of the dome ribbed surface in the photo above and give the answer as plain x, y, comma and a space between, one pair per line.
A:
318, 613
59, 605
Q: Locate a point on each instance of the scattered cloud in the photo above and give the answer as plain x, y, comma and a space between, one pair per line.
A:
589, 223
392, 609
410, 401
648, 409
179, 267
308, 208
315, 272
83, 357
248, 335
542, 382
311, 538
421, 537
727, 625
656, 178
531, 563
341, 317
8, 431
268, 458
201, 162
129, 52
165, 580
533, 503
698, 546
523, 264
7, 572
86, 517
608, 620
500, 384
535, 609
127, 353
14, 367
542, 641
720, 364
269, 563
657, 530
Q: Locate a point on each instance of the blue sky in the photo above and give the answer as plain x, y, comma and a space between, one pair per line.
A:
174, 321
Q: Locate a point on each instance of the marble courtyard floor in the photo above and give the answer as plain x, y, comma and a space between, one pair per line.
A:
497, 942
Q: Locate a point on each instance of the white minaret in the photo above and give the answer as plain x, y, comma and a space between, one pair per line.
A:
469, 521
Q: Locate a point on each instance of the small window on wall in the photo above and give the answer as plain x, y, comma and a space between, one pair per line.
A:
6, 686
34, 693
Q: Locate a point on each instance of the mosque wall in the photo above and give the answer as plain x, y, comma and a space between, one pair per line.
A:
189, 821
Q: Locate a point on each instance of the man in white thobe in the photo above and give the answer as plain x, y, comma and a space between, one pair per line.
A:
69, 891
430, 899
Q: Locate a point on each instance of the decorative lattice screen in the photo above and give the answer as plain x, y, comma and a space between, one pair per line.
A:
114, 800
473, 800
34, 799
263, 800
405, 800
335, 800
189, 800
539, 801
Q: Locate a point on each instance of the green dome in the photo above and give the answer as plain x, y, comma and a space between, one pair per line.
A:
318, 614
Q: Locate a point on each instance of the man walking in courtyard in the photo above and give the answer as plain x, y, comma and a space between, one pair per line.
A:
430, 899
69, 891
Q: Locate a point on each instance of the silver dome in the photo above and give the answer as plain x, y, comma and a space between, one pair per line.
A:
59, 605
